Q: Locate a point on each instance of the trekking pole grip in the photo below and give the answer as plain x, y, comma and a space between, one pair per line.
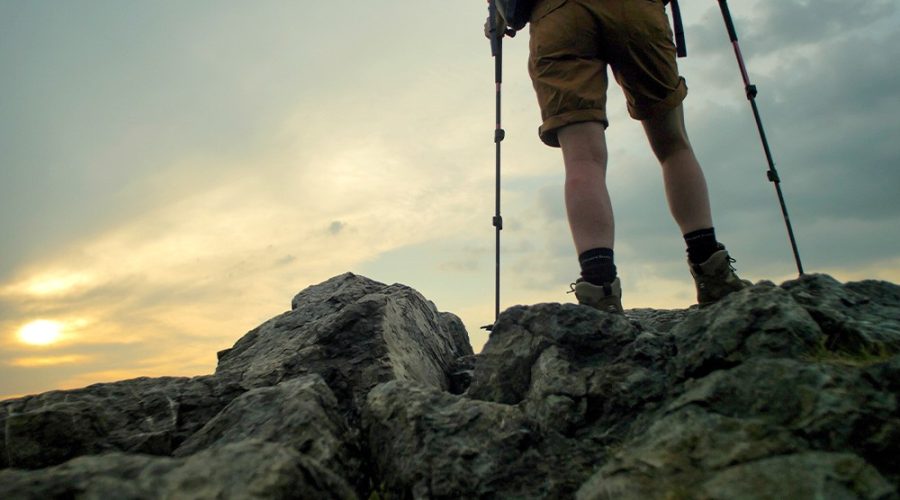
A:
680, 44
729, 23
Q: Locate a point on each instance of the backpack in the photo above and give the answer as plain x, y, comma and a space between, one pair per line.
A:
516, 13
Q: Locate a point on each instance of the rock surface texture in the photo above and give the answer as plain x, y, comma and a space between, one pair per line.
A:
366, 390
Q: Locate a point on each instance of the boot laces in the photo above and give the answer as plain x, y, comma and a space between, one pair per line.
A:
731, 270
731, 262
607, 288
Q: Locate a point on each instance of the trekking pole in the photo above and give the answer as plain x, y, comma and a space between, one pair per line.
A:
772, 174
499, 134
680, 45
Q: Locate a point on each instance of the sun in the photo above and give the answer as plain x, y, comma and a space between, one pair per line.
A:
41, 332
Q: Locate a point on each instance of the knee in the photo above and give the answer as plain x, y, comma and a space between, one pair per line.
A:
669, 146
583, 143
667, 133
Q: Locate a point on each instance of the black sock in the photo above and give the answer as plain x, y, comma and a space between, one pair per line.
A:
701, 244
597, 266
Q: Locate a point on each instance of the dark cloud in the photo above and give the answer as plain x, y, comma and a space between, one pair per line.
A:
836, 126
829, 109
769, 27
287, 259
783, 24
336, 227
465, 258
460, 265
830, 116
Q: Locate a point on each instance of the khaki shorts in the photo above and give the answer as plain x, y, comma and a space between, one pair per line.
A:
572, 42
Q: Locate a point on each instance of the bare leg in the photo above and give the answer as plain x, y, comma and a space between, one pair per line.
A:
587, 199
685, 185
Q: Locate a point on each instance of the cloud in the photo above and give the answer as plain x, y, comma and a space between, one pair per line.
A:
181, 184
336, 227
49, 361
113, 110
774, 27
828, 103
782, 25
286, 260
242, 234
464, 258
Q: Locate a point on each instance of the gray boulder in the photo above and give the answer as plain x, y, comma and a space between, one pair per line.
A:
248, 469
675, 403
355, 333
366, 390
300, 413
144, 415
430, 444
858, 319
757, 322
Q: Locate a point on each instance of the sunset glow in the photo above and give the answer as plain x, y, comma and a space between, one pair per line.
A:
48, 361
41, 332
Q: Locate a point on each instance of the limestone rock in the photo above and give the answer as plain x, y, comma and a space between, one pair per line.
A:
142, 415
807, 475
761, 321
430, 444
300, 413
675, 402
858, 319
248, 469
571, 367
355, 333
367, 390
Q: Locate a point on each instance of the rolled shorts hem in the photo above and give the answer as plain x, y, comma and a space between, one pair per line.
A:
551, 126
673, 100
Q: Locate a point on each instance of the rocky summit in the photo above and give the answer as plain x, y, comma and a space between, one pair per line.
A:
366, 390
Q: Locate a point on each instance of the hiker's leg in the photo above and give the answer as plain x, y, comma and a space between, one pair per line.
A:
685, 185
587, 199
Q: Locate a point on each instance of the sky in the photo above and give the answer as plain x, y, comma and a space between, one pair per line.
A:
172, 173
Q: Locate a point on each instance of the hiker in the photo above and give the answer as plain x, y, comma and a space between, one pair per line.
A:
572, 43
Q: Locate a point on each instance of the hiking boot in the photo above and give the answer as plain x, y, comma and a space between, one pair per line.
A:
716, 278
607, 298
